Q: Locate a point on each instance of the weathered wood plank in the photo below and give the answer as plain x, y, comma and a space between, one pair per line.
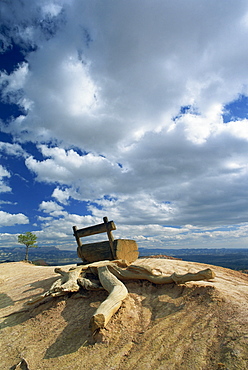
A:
110, 236
75, 229
92, 230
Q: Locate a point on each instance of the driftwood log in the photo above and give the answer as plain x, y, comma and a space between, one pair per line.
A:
109, 275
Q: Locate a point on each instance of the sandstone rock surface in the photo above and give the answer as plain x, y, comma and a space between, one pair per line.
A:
197, 325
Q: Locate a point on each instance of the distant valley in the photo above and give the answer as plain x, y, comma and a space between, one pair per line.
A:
52, 256
236, 259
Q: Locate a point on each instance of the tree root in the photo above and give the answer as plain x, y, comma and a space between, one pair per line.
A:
22, 365
109, 275
117, 293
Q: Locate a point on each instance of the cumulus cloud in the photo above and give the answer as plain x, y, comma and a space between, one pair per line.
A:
15, 81
92, 80
8, 219
87, 174
12, 149
165, 177
62, 195
52, 208
125, 103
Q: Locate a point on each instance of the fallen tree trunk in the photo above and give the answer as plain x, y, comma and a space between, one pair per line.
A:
118, 292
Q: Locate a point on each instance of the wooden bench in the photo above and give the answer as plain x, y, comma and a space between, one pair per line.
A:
111, 249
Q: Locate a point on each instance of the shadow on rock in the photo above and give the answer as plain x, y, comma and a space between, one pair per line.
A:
27, 311
160, 300
5, 300
77, 314
39, 284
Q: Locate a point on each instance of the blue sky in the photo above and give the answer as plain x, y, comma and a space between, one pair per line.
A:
134, 111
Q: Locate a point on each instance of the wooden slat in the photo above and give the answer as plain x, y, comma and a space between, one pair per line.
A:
96, 229
110, 236
79, 243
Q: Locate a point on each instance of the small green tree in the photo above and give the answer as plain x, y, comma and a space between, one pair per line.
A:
29, 239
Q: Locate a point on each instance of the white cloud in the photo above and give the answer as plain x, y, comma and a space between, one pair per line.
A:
7, 202
52, 208
8, 219
61, 195
3, 186
103, 89
16, 80
12, 149
3, 172
12, 86
166, 177
88, 174
99, 89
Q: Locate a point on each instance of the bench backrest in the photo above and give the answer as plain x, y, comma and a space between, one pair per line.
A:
105, 227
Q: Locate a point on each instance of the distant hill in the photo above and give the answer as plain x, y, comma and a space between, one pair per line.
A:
51, 255
233, 258
236, 259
